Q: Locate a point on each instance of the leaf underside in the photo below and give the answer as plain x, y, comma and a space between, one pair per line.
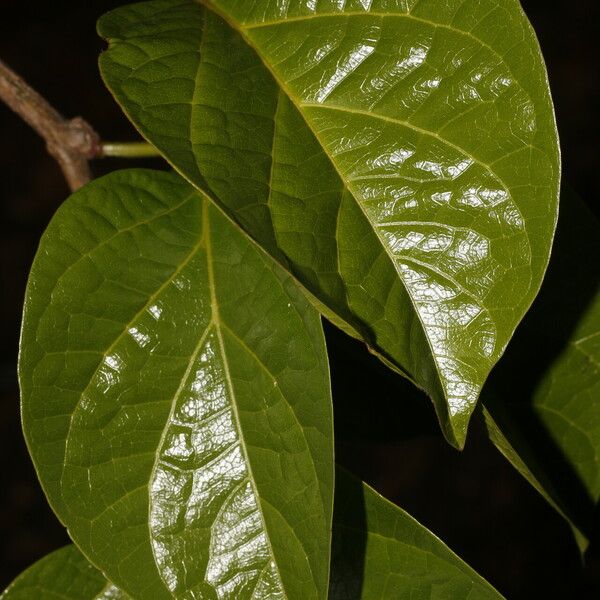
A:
399, 158
175, 395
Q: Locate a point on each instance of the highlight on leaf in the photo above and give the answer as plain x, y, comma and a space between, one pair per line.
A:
379, 552
175, 396
392, 166
399, 159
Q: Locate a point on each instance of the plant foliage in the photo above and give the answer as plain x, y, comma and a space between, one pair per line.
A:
391, 165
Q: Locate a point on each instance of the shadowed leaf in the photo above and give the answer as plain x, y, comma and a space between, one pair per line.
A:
542, 399
380, 552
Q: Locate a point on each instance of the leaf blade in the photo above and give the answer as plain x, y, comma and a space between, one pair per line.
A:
549, 427
364, 526
62, 574
189, 382
380, 551
437, 289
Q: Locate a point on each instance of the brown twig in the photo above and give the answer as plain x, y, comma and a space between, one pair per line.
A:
72, 142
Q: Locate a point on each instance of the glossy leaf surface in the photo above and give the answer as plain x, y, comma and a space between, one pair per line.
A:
176, 397
380, 552
62, 575
543, 399
399, 157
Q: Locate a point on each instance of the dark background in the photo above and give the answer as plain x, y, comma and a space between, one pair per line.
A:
474, 500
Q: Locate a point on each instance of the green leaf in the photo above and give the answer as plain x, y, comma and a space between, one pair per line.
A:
399, 158
542, 408
63, 574
176, 397
381, 552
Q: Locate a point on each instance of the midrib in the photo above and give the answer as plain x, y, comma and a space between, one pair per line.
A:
298, 105
234, 409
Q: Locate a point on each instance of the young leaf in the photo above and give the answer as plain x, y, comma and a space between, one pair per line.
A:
400, 158
176, 397
542, 404
62, 575
380, 552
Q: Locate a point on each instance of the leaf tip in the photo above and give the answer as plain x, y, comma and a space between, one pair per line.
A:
455, 426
